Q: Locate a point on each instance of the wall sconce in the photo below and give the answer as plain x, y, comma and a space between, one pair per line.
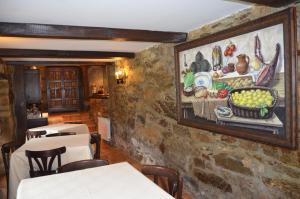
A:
121, 76
33, 68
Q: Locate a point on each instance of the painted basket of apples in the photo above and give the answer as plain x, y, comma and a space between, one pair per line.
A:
253, 102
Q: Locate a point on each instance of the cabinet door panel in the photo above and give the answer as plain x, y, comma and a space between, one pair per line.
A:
63, 89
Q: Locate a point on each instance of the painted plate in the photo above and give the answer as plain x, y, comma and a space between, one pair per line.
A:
203, 79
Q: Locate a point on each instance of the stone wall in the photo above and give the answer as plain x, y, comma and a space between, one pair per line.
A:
213, 165
99, 108
6, 113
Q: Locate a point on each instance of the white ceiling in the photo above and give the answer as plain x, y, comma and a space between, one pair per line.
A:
161, 15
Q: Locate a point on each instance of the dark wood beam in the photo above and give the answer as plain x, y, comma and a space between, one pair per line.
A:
58, 63
7, 52
83, 32
271, 3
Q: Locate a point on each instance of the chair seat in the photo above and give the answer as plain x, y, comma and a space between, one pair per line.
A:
82, 164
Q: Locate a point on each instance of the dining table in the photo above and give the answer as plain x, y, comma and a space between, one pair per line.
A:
115, 181
63, 127
78, 147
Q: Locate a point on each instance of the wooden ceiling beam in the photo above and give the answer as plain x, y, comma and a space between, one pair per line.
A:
33, 53
58, 63
271, 3
83, 32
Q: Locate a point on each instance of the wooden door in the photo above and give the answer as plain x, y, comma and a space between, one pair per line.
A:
63, 89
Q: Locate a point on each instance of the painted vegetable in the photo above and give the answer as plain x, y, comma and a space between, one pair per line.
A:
253, 99
200, 64
225, 70
217, 58
230, 49
188, 80
222, 85
222, 93
267, 73
257, 49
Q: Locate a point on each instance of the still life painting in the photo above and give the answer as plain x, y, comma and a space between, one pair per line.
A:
238, 82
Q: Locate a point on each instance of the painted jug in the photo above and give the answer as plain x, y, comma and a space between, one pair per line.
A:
243, 64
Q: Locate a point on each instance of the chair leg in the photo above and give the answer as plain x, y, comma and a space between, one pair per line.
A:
96, 139
180, 188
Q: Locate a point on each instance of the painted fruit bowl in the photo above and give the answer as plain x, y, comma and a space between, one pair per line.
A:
253, 102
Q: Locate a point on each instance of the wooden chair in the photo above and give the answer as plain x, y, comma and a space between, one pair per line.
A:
96, 139
41, 159
7, 149
82, 164
160, 174
60, 134
34, 134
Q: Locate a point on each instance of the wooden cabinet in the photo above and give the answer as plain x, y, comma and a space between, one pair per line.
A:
63, 89
32, 86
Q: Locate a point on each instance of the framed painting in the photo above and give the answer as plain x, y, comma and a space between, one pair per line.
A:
242, 81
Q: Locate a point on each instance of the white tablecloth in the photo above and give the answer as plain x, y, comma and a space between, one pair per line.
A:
61, 127
78, 148
116, 181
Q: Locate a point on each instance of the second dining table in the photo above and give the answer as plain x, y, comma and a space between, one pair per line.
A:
78, 147
63, 127
115, 181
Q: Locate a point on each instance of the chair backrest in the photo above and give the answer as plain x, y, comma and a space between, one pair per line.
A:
60, 134
159, 173
96, 139
41, 159
7, 150
82, 164
75, 122
34, 134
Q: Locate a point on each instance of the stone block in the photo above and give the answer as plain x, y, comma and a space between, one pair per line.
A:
201, 137
291, 190
228, 139
213, 180
225, 161
291, 172
199, 163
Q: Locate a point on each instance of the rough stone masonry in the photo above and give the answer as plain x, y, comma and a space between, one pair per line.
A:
213, 165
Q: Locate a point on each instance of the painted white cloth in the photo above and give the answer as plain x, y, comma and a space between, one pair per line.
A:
61, 127
78, 148
116, 181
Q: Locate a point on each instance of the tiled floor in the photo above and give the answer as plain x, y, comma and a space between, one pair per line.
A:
112, 154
